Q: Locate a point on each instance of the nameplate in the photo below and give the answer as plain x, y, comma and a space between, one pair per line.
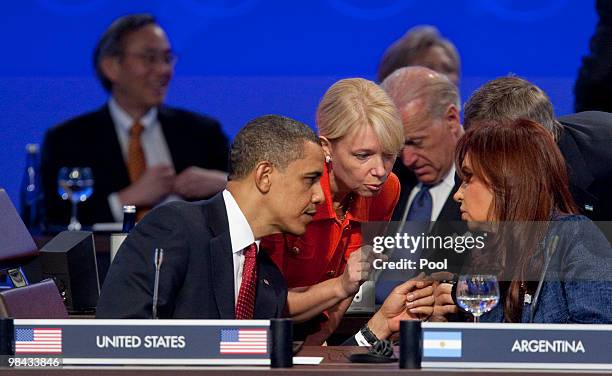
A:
145, 342
535, 346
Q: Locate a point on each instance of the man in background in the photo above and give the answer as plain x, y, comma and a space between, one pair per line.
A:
423, 46
429, 107
583, 138
140, 151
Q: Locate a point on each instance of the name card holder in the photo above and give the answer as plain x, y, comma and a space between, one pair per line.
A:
534, 346
145, 342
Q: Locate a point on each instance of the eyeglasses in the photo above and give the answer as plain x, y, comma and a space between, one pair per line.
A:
151, 59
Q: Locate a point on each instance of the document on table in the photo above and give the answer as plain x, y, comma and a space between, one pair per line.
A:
307, 360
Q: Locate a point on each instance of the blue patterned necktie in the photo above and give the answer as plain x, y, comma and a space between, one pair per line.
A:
417, 223
420, 209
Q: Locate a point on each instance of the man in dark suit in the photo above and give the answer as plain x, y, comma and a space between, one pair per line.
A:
429, 106
583, 138
209, 267
140, 152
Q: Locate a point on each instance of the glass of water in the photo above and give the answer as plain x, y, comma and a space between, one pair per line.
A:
477, 293
75, 184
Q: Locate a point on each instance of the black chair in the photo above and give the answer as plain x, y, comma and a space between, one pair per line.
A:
16, 244
40, 300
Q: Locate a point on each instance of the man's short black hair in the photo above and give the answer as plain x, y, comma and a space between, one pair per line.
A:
274, 138
111, 42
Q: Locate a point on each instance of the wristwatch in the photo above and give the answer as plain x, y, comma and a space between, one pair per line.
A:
368, 335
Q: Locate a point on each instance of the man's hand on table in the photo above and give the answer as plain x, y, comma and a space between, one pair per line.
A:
412, 300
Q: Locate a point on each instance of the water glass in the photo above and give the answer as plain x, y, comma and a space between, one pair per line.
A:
477, 294
75, 184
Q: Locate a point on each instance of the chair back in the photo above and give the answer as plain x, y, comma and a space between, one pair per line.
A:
16, 243
40, 300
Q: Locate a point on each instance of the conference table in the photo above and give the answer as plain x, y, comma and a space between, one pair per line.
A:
335, 363
335, 358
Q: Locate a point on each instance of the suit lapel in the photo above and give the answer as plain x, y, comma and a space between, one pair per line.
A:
450, 210
109, 147
407, 182
267, 299
580, 176
176, 145
222, 263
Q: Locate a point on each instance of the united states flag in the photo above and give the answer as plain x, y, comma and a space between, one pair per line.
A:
38, 341
244, 341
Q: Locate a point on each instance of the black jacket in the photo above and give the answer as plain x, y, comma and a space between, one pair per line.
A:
197, 272
586, 145
90, 140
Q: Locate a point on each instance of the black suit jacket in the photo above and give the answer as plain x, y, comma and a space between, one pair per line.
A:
408, 180
90, 140
586, 145
197, 273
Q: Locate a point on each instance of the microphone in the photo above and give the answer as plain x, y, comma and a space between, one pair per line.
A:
159, 258
551, 251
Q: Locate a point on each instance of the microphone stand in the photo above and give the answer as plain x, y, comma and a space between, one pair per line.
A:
159, 258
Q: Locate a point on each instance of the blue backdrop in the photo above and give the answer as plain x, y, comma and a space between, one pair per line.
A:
242, 58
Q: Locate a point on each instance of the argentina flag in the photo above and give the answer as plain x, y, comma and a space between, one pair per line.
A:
441, 344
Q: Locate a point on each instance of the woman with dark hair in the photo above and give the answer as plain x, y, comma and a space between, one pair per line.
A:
554, 265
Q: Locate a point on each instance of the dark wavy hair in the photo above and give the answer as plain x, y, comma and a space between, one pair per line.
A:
522, 165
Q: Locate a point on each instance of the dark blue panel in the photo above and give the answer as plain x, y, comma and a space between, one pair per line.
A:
243, 58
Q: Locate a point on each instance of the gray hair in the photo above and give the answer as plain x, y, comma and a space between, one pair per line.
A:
410, 83
510, 98
111, 42
274, 138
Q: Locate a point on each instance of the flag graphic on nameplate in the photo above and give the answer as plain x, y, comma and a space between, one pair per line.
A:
38, 341
243, 341
442, 344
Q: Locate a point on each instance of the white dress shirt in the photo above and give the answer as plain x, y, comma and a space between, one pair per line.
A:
241, 236
152, 139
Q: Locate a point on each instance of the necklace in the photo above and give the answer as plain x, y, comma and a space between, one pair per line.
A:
344, 208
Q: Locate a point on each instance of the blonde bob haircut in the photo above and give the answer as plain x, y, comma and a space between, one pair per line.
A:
354, 103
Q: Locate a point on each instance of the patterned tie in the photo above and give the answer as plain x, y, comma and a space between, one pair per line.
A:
245, 307
136, 164
136, 160
417, 222
420, 209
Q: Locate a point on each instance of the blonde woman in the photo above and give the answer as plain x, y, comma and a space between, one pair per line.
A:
361, 134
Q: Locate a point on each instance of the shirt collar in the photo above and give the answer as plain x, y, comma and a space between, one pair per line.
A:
448, 181
241, 235
125, 121
358, 209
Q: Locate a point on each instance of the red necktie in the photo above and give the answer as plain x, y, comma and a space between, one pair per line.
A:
245, 307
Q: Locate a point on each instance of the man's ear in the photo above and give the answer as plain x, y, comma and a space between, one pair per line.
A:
326, 145
453, 119
263, 176
110, 67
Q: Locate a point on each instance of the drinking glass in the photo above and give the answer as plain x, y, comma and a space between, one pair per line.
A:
75, 184
477, 293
